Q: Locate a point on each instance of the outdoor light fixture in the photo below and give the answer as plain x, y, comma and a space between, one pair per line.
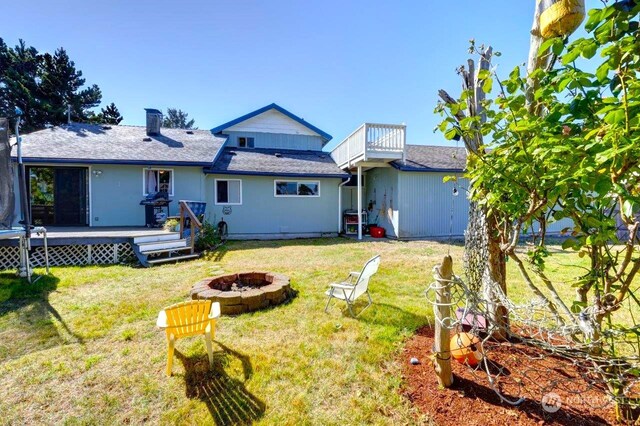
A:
97, 173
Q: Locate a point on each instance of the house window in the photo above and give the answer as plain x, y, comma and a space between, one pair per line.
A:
157, 180
297, 188
228, 191
246, 142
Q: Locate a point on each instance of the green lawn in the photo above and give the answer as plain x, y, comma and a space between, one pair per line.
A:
81, 347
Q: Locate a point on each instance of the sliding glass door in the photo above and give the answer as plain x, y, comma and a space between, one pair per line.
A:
58, 195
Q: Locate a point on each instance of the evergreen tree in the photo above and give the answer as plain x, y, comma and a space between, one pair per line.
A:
61, 86
19, 83
109, 115
43, 86
177, 119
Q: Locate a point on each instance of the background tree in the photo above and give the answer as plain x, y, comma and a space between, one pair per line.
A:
177, 119
19, 75
109, 115
43, 86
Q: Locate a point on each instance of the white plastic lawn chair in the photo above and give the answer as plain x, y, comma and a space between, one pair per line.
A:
356, 285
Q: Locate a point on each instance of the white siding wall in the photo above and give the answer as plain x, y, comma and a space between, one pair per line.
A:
277, 141
272, 121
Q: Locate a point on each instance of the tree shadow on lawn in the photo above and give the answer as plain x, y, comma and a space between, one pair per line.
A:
226, 397
35, 314
234, 245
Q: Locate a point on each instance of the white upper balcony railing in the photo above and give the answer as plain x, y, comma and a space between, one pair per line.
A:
378, 142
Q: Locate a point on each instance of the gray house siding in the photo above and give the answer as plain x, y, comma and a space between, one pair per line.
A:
426, 205
262, 215
350, 198
277, 141
382, 189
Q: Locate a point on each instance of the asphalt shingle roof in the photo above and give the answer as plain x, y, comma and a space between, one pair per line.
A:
87, 143
280, 162
425, 158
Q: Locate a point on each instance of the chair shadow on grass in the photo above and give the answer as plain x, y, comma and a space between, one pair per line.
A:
226, 397
382, 314
34, 311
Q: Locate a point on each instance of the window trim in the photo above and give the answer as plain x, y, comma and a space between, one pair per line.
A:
275, 188
246, 142
144, 179
215, 192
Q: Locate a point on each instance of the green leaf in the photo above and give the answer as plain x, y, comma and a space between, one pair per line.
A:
589, 49
545, 46
451, 133
484, 74
558, 46
615, 117
577, 306
570, 56
487, 85
603, 72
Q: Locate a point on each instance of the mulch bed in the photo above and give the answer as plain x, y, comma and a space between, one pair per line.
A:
530, 373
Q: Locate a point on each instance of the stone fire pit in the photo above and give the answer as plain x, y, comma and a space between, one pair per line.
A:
244, 292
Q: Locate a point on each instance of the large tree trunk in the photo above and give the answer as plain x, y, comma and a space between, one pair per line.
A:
7, 197
485, 263
485, 266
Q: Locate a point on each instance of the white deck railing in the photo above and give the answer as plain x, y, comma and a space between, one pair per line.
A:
371, 141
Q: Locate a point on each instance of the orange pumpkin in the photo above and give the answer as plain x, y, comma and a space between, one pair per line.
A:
466, 348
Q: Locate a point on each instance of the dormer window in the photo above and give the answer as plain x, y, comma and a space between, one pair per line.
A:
244, 142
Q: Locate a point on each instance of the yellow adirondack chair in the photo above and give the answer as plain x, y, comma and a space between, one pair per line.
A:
186, 319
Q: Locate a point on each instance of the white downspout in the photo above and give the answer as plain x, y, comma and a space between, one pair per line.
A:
359, 202
340, 203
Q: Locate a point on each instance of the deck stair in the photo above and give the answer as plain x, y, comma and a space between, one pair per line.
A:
161, 248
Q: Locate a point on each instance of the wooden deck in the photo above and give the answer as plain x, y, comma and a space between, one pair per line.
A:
59, 236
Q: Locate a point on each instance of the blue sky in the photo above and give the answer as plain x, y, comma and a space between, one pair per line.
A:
335, 63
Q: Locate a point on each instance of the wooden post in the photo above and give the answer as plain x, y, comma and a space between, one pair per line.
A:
7, 196
442, 311
193, 236
181, 220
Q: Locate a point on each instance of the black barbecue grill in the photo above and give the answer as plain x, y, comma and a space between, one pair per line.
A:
154, 205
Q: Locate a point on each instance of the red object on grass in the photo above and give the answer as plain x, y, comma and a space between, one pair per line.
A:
377, 232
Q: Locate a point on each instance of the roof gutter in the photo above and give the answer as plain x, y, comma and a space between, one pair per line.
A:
115, 162
426, 169
283, 174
